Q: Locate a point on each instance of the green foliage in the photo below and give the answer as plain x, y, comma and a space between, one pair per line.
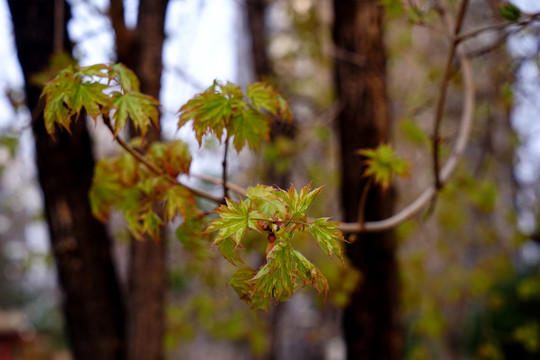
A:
510, 12
100, 90
280, 214
123, 183
148, 198
382, 163
246, 117
394, 8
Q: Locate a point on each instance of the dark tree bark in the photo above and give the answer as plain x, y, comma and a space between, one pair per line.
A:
256, 13
371, 323
141, 50
93, 307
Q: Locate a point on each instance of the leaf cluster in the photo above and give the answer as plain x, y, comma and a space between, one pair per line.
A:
244, 117
145, 190
145, 199
100, 90
278, 214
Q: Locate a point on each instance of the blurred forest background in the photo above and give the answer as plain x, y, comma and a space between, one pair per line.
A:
460, 280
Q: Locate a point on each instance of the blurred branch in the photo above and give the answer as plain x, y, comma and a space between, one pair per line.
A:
236, 188
444, 87
447, 170
187, 78
531, 18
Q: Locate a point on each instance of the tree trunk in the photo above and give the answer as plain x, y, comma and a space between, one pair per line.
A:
371, 323
92, 306
256, 13
141, 50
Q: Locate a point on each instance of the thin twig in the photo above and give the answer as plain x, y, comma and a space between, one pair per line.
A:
476, 32
236, 188
447, 170
442, 93
154, 168
363, 199
224, 165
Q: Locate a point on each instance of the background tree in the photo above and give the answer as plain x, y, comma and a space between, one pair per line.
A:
371, 320
430, 326
141, 49
93, 308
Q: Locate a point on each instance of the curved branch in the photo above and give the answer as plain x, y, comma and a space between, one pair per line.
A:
444, 88
447, 170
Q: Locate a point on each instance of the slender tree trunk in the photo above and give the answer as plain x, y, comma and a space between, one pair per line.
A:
141, 50
371, 323
92, 306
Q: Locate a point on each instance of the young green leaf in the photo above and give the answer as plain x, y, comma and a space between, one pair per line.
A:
228, 249
90, 96
264, 97
127, 170
57, 112
510, 12
140, 108
126, 78
327, 236
178, 200
266, 200
235, 220
277, 279
178, 158
309, 274
382, 163
241, 282
299, 202
251, 127
210, 113
151, 223
98, 70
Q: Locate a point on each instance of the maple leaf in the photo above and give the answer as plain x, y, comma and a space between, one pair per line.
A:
98, 70
229, 89
249, 126
140, 108
242, 284
151, 223
178, 158
90, 96
128, 170
58, 95
106, 189
57, 112
309, 274
210, 113
276, 279
229, 250
157, 153
235, 220
178, 200
126, 78
382, 163
328, 236
299, 202
263, 96
266, 200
